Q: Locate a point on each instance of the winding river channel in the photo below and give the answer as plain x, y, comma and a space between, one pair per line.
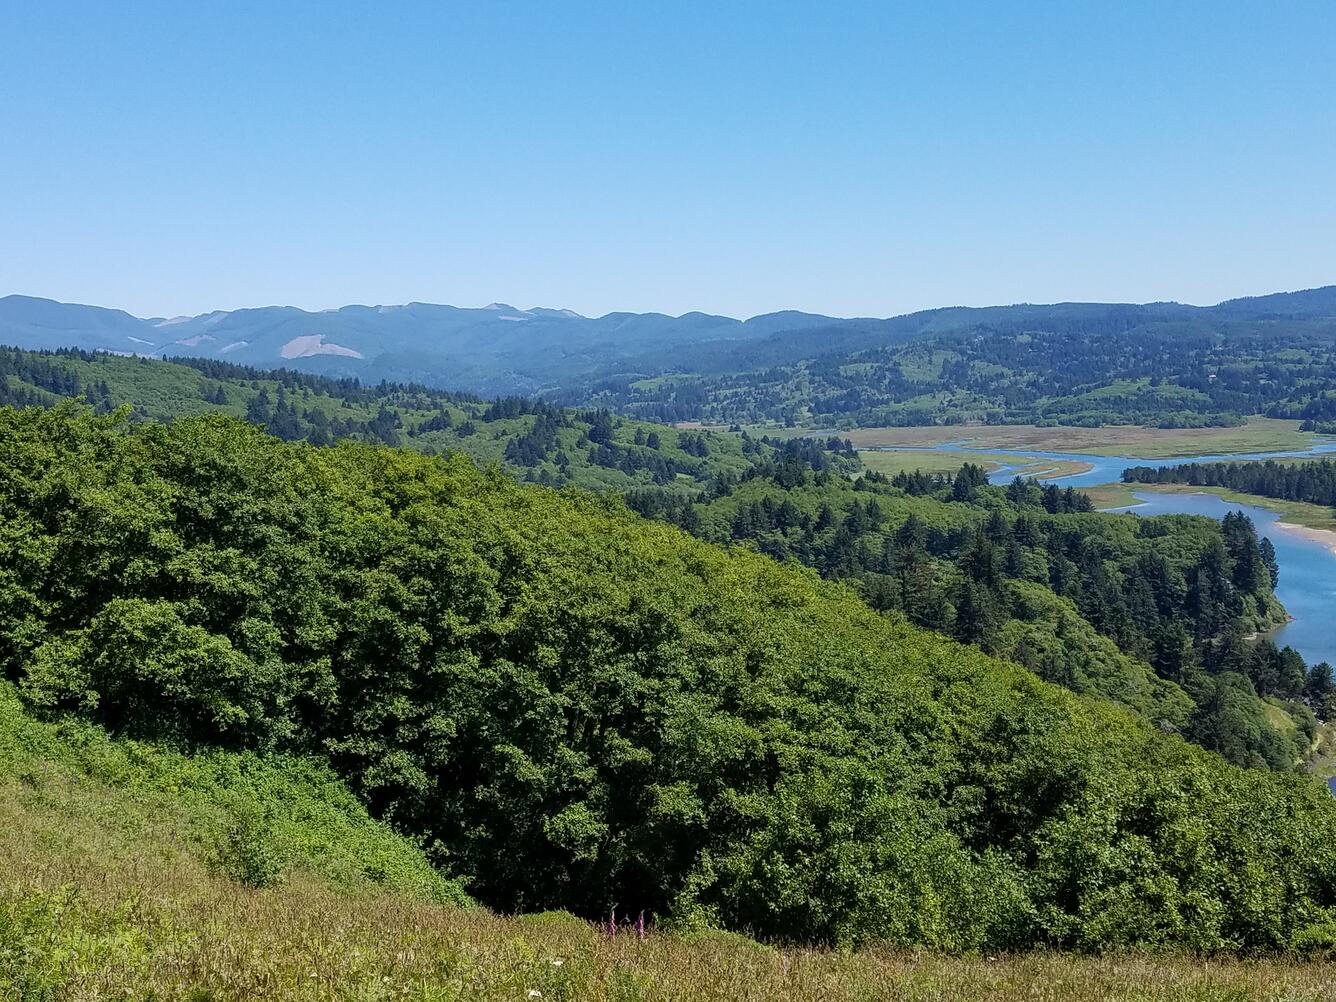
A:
1307, 584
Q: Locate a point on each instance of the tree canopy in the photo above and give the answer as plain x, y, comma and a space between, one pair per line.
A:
577, 708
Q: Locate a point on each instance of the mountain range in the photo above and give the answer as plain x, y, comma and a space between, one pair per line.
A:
500, 349
495, 349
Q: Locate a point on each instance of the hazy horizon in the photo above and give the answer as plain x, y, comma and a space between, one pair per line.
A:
594, 316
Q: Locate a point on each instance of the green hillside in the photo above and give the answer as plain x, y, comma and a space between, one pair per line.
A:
575, 708
133, 872
1155, 614
1091, 367
534, 441
1095, 603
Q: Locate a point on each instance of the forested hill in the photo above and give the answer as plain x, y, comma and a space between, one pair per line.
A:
575, 707
1151, 613
535, 441
1079, 364
496, 350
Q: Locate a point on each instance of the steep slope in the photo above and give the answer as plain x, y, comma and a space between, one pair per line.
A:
581, 709
132, 872
71, 796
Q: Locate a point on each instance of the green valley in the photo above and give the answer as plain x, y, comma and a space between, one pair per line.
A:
1098, 604
536, 441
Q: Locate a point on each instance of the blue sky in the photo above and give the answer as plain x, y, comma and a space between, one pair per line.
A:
731, 157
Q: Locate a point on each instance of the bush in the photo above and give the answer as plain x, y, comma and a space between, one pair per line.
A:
247, 853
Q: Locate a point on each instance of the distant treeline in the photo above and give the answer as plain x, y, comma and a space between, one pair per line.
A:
1314, 481
1091, 372
48, 370
536, 440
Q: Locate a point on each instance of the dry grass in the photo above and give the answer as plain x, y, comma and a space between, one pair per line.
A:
893, 461
177, 934
86, 915
1258, 435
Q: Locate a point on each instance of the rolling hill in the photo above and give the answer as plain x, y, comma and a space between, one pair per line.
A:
496, 349
499, 349
571, 707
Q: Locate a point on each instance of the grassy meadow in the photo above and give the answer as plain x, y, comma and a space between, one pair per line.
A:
1259, 434
893, 461
1115, 495
189, 936
148, 927
132, 873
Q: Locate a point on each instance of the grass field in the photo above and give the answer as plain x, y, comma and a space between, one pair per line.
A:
113, 887
183, 934
1115, 495
188, 936
906, 461
1258, 435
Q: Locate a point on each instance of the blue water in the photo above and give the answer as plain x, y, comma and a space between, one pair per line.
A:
1307, 585
1106, 469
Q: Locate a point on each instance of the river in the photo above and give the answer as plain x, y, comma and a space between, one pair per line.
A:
1307, 585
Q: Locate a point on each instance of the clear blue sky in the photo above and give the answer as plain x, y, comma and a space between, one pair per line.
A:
737, 158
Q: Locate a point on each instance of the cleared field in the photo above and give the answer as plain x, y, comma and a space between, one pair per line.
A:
907, 461
1258, 435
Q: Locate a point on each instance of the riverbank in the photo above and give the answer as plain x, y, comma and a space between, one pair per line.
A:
1306, 554
1297, 515
1327, 537
1313, 522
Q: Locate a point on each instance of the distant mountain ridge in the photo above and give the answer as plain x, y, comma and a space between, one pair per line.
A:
497, 348
501, 349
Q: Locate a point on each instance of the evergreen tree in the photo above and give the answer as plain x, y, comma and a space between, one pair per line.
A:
1268, 552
